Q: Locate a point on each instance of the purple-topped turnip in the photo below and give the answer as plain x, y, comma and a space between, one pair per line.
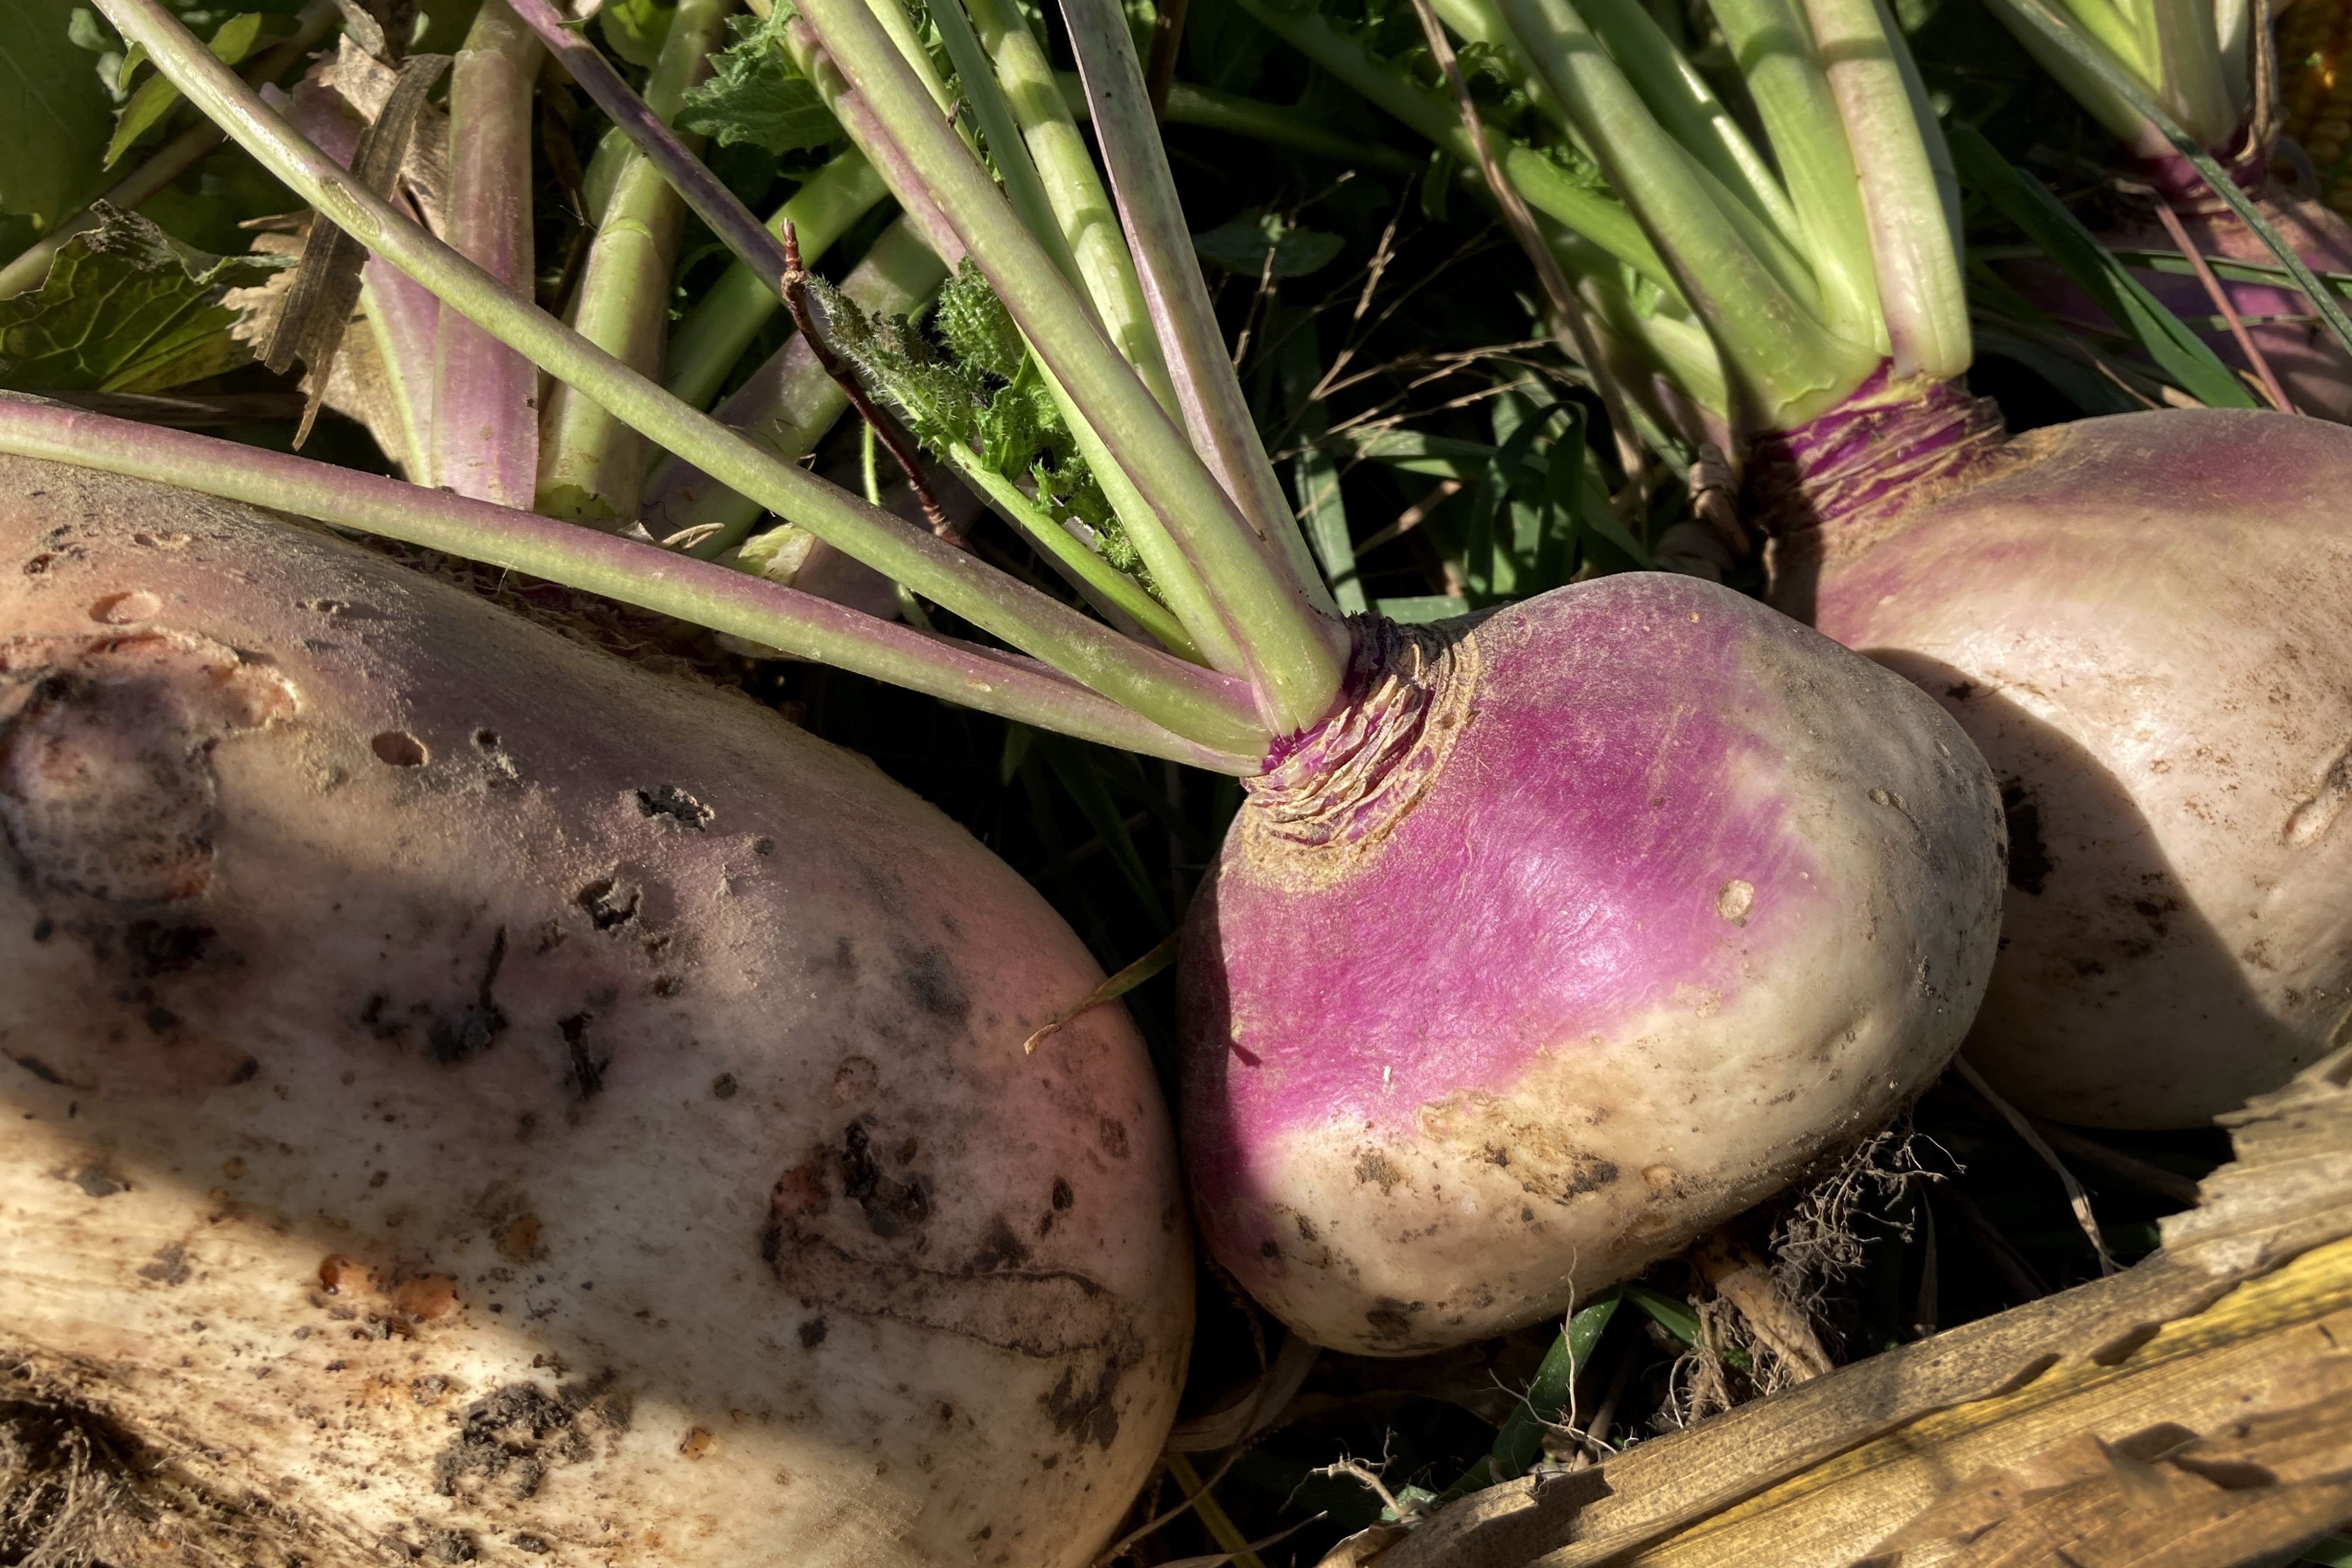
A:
1581, 928
2136, 619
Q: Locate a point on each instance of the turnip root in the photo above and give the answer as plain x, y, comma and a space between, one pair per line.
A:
470, 1097
2140, 621
1574, 935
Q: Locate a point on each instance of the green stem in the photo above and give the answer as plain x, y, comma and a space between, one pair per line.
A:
722, 324
1545, 185
1077, 562
1295, 670
715, 596
1007, 148
1280, 124
1216, 415
1171, 568
789, 401
1183, 697
1774, 50
1784, 366
591, 465
1908, 188
1082, 210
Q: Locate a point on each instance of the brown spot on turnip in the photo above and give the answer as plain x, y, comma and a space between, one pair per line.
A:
999, 1249
697, 1442
232, 1167
39, 564
126, 609
98, 1182
673, 804
890, 1206
44, 1071
170, 1265
518, 1239
521, 1431
853, 1080
1734, 900
1390, 1320
106, 782
156, 949
813, 1333
1373, 1166
1112, 1136
399, 749
1082, 1414
608, 904
723, 1086
585, 1075
929, 977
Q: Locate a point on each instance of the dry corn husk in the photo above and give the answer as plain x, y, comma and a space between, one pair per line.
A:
2192, 1412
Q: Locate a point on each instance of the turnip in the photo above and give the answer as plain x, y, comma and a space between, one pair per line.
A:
2212, 69
1756, 878
2136, 619
483, 1096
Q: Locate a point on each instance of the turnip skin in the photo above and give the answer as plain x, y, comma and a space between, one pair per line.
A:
2140, 621
1691, 898
593, 1211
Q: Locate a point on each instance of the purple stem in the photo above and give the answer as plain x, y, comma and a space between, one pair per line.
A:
485, 418
737, 227
635, 574
868, 135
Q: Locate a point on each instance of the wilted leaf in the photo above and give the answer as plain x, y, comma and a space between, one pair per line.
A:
1241, 245
125, 309
53, 111
754, 94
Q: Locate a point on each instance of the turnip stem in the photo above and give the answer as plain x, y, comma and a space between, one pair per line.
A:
1548, 187
405, 320
1209, 710
635, 574
1216, 415
591, 464
712, 202
789, 401
1908, 188
1781, 362
485, 427
1784, 76
1078, 208
722, 324
1294, 665
1050, 178
169, 162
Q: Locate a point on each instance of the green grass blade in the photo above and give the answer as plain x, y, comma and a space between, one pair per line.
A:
2180, 354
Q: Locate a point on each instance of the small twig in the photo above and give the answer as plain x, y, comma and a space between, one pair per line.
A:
2172, 225
795, 291
2076, 1195
1119, 1548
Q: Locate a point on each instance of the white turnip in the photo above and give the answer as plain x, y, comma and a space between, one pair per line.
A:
483, 1099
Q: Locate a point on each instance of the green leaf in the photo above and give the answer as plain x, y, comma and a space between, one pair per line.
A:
1242, 244
125, 309
635, 28
156, 95
754, 94
2177, 351
1225, 48
53, 111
